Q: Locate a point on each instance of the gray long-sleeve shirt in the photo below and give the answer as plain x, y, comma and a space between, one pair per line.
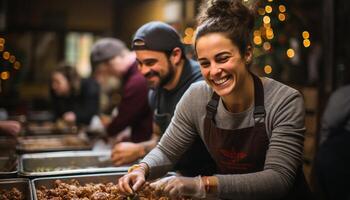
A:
284, 125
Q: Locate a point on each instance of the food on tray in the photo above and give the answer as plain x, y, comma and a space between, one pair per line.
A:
13, 194
99, 191
43, 143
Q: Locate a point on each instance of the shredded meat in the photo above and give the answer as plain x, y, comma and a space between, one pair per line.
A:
13, 194
72, 190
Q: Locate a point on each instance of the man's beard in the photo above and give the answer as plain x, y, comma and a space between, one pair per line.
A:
166, 78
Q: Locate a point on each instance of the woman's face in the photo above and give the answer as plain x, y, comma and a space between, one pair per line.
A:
222, 65
60, 84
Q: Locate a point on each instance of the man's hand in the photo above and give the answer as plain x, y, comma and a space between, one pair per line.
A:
126, 153
10, 127
69, 117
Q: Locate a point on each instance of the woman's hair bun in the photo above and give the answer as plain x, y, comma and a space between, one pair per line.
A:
227, 9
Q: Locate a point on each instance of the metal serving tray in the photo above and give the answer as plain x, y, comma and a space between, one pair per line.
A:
21, 184
7, 146
36, 144
8, 167
65, 163
48, 182
48, 128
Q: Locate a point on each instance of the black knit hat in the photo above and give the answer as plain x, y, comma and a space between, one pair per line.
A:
105, 49
156, 36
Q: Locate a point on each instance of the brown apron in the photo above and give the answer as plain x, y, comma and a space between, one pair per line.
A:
241, 151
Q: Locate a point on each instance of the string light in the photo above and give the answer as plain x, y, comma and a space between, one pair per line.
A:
261, 11
290, 53
306, 43
282, 8
266, 19
305, 34
268, 9
269, 34
257, 40
6, 55
17, 65
5, 75
12, 59
2, 41
189, 31
281, 17
268, 69
2, 47
267, 46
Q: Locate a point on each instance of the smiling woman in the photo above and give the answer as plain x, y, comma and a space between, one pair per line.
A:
253, 127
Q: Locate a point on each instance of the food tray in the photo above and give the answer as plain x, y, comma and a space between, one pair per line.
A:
23, 185
48, 128
65, 163
7, 146
48, 182
35, 144
8, 167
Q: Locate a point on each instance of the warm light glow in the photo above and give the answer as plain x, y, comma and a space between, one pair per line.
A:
2, 47
282, 8
17, 65
269, 34
6, 55
306, 43
266, 19
187, 39
257, 40
5, 75
306, 34
257, 33
2, 41
267, 26
267, 69
12, 59
189, 31
261, 11
290, 53
267, 46
268, 9
282, 17
270, 0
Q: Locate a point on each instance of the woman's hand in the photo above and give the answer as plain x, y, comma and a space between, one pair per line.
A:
133, 180
10, 127
177, 187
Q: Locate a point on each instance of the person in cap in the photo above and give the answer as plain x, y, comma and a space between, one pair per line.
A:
253, 127
75, 100
161, 59
112, 59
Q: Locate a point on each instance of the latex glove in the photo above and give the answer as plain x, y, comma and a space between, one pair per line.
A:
126, 153
132, 181
177, 187
10, 127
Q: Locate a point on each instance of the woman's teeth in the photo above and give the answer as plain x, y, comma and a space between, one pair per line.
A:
220, 81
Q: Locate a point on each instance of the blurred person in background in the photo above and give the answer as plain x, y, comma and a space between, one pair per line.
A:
253, 127
75, 100
332, 160
113, 62
161, 59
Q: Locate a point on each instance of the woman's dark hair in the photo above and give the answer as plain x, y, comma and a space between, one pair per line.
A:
72, 77
230, 17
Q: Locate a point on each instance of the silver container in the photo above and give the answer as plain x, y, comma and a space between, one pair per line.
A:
8, 167
23, 185
36, 144
65, 163
48, 182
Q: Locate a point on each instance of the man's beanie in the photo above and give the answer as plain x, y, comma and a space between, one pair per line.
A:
105, 49
156, 36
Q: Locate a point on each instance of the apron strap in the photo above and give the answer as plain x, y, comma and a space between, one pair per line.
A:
259, 108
